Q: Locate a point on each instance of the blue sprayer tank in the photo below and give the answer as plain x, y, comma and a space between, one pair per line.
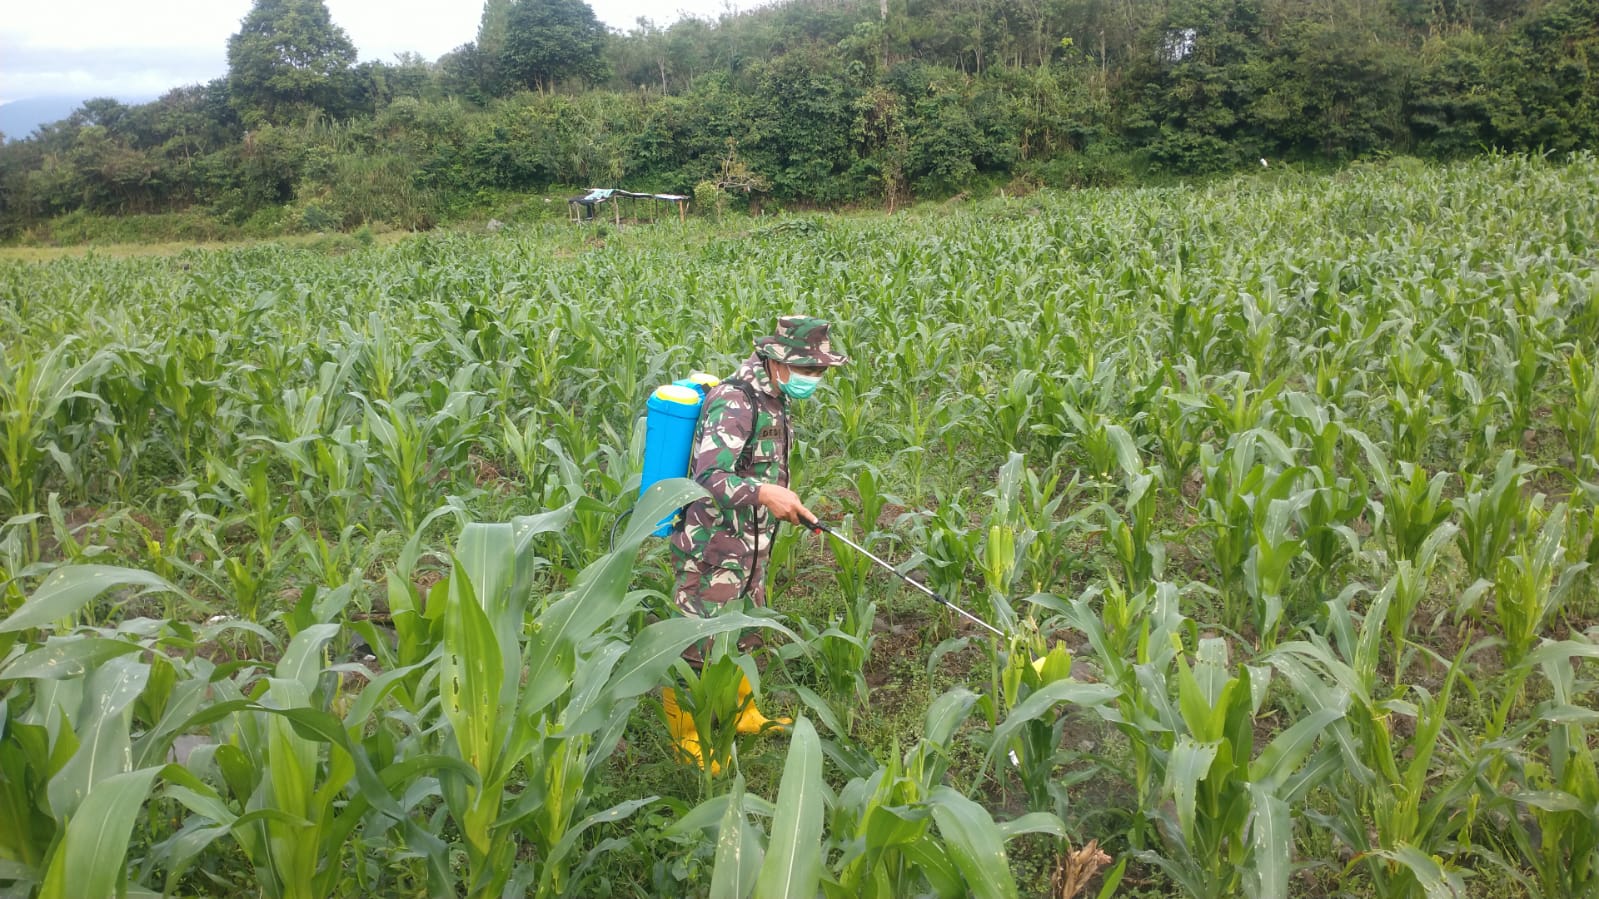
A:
669, 424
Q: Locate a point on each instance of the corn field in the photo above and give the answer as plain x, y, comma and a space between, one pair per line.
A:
316, 579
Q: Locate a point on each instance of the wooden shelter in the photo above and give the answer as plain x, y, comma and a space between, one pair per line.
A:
587, 207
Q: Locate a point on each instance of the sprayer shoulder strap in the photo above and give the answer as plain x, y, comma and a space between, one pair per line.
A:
746, 455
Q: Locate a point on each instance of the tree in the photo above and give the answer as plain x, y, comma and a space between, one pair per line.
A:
288, 60
1547, 96
481, 63
548, 41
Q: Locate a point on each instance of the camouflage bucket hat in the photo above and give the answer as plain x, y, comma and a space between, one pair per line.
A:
800, 340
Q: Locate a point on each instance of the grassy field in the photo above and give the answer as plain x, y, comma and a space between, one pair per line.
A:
317, 579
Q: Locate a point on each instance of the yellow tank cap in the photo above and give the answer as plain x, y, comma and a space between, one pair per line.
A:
703, 379
688, 396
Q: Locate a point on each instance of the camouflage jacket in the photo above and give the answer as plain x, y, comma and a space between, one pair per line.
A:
730, 533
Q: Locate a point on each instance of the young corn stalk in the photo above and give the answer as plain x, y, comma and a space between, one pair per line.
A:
1391, 807
1412, 507
1130, 634
553, 698
844, 647
1132, 539
32, 390
712, 698
1229, 826
1531, 585
73, 776
1579, 418
1560, 783
1035, 684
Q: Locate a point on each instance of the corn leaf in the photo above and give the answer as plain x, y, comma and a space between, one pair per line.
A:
69, 589
946, 714
1436, 881
1037, 822
793, 863
974, 842
1189, 764
90, 857
302, 661
738, 851
470, 675
64, 657
1041, 701
1271, 835
104, 747
659, 645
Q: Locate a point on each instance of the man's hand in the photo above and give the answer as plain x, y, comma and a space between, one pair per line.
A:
785, 504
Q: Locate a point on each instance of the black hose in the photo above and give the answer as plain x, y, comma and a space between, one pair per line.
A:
616, 524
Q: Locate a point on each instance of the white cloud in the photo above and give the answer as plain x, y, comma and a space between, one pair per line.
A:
115, 47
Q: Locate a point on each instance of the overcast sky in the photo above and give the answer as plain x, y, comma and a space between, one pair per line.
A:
131, 49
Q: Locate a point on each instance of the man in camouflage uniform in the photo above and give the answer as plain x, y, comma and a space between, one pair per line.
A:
721, 543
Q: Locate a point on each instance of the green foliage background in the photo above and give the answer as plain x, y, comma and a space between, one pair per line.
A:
829, 105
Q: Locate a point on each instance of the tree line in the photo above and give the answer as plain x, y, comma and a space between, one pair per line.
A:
812, 103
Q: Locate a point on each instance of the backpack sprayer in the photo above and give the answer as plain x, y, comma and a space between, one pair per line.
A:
672, 414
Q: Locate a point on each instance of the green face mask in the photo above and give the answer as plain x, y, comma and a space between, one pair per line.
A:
800, 386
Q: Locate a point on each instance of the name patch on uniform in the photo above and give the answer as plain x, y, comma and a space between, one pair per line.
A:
772, 433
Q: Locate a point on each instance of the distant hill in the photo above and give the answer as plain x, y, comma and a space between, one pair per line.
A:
19, 118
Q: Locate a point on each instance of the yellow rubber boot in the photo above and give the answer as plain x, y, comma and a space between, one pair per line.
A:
750, 719
684, 737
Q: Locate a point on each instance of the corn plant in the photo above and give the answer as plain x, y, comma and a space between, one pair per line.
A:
408, 452
1268, 570
1176, 426
1132, 539
1034, 684
1560, 782
1244, 408
1521, 356
711, 696
1049, 556
1412, 505
1474, 416
383, 363
72, 774
1010, 412
1222, 811
895, 831
1414, 371
1327, 520
1105, 446
1490, 516
947, 542
1579, 418
1532, 583
1232, 806
882, 821
521, 442
1391, 807
851, 569
32, 391
1131, 634
1249, 509
844, 646
856, 411
923, 422
301, 820
579, 693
